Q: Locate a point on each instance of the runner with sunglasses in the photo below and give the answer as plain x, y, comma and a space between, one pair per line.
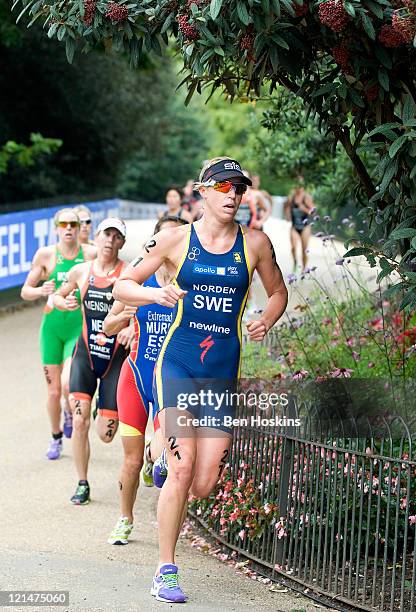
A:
97, 358
134, 391
211, 263
85, 218
59, 330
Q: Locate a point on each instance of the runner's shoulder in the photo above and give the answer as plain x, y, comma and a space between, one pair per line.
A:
258, 241
170, 238
44, 254
255, 237
89, 251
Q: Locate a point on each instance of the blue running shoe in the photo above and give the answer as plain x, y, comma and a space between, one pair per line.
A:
55, 449
160, 470
67, 424
166, 587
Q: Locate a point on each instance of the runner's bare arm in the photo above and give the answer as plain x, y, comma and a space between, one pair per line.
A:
274, 285
64, 298
118, 318
265, 208
38, 272
286, 208
157, 251
307, 205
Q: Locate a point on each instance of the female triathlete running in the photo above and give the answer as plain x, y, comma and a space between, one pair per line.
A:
59, 330
85, 218
97, 357
134, 391
298, 208
174, 206
211, 263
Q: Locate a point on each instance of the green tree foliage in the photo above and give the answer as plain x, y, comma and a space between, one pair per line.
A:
176, 153
105, 113
26, 155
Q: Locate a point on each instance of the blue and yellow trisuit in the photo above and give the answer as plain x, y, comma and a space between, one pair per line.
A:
203, 346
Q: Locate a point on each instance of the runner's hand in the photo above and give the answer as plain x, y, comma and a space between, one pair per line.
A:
256, 330
169, 295
71, 302
47, 288
126, 336
128, 313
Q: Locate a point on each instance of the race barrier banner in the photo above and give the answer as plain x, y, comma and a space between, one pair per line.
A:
22, 233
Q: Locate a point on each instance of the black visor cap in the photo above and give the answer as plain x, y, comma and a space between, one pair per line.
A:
226, 170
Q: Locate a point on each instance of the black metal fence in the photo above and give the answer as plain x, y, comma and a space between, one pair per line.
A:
332, 509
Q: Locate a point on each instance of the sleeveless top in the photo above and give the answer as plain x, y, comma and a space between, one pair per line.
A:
97, 300
151, 324
168, 214
60, 275
245, 212
299, 217
217, 286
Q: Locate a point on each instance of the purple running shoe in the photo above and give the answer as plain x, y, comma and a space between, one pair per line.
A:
160, 470
166, 587
55, 449
67, 424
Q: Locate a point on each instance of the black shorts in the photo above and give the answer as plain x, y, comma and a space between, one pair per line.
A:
83, 379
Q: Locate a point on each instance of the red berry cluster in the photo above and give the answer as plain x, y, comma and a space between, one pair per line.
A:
410, 5
247, 41
372, 93
333, 15
188, 30
117, 12
390, 37
247, 44
404, 26
89, 11
301, 9
341, 55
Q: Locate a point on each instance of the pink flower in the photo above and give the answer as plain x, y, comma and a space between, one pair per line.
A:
222, 521
377, 324
403, 503
371, 364
341, 373
412, 519
300, 374
267, 508
356, 356
242, 534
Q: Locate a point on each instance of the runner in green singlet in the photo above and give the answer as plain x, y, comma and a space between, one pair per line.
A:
59, 330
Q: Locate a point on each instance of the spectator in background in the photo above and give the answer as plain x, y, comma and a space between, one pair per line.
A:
174, 208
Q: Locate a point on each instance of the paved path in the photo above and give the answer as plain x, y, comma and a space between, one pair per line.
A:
49, 544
